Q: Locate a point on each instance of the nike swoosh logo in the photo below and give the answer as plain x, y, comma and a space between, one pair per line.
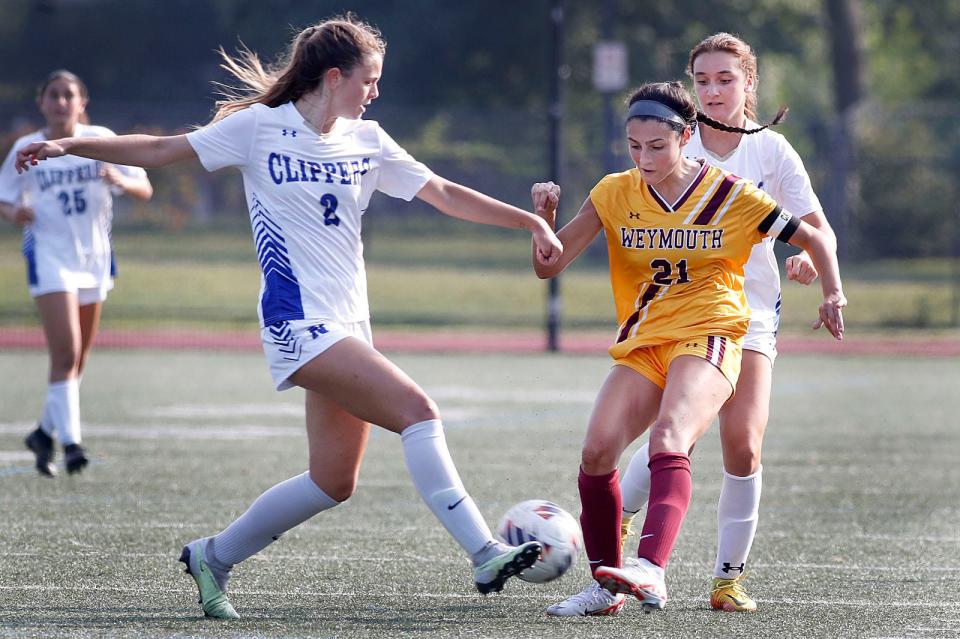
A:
456, 503
735, 600
645, 536
595, 562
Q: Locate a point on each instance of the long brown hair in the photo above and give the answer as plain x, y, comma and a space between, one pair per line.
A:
72, 78
338, 43
733, 45
676, 97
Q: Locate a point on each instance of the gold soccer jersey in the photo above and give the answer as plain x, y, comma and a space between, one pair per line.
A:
677, 270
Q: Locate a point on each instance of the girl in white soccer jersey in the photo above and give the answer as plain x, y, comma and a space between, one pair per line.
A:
724, 70
65, 209
309, 165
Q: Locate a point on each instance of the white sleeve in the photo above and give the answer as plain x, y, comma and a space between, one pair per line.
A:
227, 142
10, 184
400, 175
792, 185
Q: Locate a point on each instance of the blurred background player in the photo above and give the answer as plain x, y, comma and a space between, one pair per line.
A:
310, 165
66, 209
724, 72
678, 234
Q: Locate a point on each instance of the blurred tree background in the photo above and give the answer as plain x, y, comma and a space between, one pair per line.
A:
874, 99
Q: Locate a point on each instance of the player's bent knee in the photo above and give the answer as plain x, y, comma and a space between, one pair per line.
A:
667, 434
597, 459
419, 409
64, 360
743, 460
339, 488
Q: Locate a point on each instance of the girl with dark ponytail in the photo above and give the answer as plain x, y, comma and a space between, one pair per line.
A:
724, 73
679, 232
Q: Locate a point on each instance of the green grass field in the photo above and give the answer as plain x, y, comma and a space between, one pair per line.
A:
480, 279
858, 534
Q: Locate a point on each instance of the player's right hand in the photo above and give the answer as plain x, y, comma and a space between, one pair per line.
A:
546, 198
23, 215
31, 154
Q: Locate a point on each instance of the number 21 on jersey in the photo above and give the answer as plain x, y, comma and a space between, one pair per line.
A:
664, 272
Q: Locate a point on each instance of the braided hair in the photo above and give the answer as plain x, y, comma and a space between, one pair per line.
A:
673, 95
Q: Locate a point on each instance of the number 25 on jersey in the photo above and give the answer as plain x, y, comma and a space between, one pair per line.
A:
75, 204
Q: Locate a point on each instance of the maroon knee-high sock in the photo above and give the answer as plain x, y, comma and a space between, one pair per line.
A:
670, 488
601, 509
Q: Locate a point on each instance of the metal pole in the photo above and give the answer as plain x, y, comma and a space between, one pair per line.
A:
556, 121
609, 117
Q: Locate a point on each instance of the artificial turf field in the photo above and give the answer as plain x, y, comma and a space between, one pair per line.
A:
859, 533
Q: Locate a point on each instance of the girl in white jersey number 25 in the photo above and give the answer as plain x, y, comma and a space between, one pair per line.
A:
66, 210
310, 164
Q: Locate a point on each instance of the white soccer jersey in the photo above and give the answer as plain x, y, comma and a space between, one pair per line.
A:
67, 247
767, 160
306, 194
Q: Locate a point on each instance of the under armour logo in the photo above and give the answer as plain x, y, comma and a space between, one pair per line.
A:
291, 132
634, 216
728, 568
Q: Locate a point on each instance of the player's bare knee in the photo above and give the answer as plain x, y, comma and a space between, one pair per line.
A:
420, 408
742, 460
597, 458
338, 487
64, 361
667, 434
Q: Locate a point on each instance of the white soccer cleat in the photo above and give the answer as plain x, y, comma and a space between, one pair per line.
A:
639, 578
592, 601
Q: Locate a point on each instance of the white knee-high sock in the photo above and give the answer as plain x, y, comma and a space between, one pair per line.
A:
436, 479
282, 507
635, 483
46, 422
63, 410
737, 515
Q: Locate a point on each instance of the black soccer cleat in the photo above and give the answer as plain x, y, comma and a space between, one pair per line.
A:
75, 458
43, 450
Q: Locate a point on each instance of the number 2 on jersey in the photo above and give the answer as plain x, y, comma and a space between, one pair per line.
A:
78, 202
664, 274
329, 204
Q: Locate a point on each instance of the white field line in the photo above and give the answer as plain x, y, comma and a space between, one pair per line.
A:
440, 394
545, 596
399, 558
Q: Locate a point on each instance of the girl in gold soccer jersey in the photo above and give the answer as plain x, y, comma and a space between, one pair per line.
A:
724, 72
679, 232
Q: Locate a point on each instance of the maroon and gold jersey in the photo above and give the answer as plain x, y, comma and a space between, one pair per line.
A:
677, 269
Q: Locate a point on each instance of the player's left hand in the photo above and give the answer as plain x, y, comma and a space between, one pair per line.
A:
831, 314
800, 268
548, 245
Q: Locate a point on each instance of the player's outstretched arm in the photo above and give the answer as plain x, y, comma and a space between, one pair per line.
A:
461, 202
822, 250
147, 151
575, 236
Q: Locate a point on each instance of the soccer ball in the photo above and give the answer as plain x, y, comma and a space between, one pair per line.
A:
553, 527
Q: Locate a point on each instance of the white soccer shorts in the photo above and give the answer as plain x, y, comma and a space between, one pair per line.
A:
290, 345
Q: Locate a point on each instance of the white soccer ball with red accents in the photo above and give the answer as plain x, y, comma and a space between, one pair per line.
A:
555, 528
